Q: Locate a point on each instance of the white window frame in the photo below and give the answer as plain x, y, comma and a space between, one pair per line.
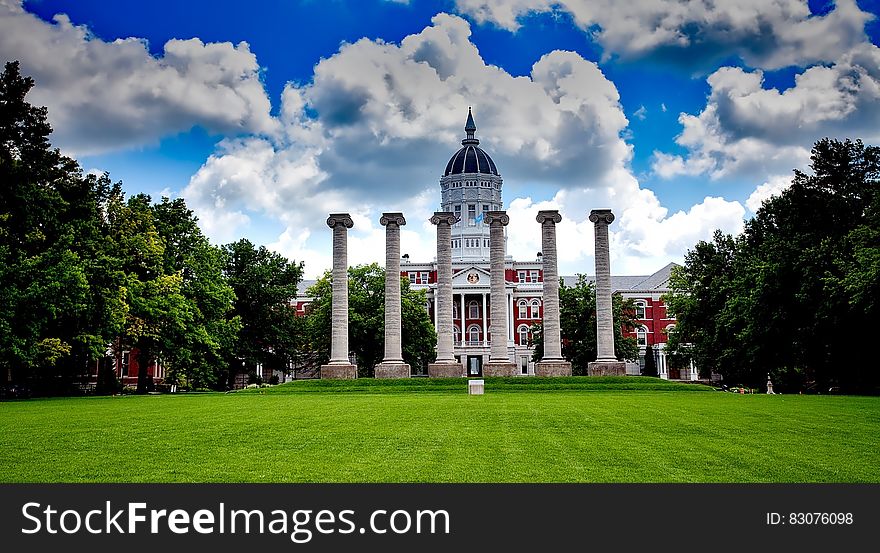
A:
536, 309
523, 309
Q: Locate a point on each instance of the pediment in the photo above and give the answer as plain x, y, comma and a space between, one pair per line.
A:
472, 276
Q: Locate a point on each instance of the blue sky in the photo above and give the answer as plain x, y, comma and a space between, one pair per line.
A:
681, 117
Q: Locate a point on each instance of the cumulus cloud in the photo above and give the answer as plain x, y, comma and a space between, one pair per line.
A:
372, 131
109, 95
747, 129
773, 187
764, 33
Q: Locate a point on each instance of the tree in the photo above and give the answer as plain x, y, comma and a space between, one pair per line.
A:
650, 363
785, 296
577, 318
195, 351
265, 287
59, 301
366, 324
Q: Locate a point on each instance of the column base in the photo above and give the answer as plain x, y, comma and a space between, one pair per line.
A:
606, 368
499, 368
445, 369
553, 368
392, 370
342, 371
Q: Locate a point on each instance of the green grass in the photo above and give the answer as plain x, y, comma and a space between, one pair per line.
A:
420, 430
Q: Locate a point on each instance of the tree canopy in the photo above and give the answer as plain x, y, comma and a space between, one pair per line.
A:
791, 295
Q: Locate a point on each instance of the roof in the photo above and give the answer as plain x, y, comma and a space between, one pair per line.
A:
470, 159
657, 282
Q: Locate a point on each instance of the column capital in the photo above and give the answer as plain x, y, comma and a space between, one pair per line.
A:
444, 217
392, 218
600, 216
549, 215
496, 217
339, 219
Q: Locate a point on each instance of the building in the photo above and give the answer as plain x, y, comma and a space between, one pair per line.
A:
471, 186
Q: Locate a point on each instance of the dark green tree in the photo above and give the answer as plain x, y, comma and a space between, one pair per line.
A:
577, 318
366, 303
196, 350
784, 297
650, 368
60, 302
265, 287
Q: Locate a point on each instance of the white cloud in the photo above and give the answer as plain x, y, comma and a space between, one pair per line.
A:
773, 187
641, 113
746, 129
112, 95
764, 33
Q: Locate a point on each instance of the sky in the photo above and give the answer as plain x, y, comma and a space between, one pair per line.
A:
682, 117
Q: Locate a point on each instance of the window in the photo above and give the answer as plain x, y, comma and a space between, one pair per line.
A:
473, 310
126, 359
524, 365
456, 334
472, 214
473, 334
523, 308
521, 276
411, 276
423, 277
669, 329
536, 309
641, 306
642, 336
533, 275
523, 332
455, 311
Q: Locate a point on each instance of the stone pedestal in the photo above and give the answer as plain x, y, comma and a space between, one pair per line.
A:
339, 371
500, 368
553, 368
392, 370
447, 369
606, 368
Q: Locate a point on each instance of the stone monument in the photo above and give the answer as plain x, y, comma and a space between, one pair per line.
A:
606, 364
445, 366
499, 362
339, 365
392, 366
552, 363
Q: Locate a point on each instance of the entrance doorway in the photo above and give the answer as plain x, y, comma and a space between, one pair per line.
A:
475, 365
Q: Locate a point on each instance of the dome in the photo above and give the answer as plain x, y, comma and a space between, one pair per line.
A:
470, 158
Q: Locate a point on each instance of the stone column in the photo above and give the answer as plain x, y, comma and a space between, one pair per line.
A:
499, 363
552, 363
606, 364
339, 365
392, 366
445, 366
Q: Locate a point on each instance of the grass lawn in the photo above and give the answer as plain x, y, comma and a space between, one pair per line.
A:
523, 430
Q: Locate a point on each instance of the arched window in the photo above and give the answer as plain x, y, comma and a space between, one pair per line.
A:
523, 332
474, 334
455, 310
642, 336
641, 306
536, 309
669, 329
523, 306
456, 332
473, 310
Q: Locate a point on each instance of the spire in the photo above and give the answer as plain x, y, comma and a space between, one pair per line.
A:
470, 128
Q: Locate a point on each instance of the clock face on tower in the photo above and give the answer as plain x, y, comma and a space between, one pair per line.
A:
473, 278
